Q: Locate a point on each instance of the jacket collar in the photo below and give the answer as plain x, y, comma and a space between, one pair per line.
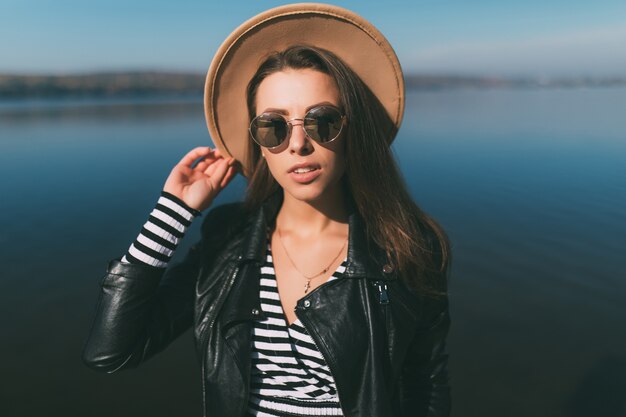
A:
365, 259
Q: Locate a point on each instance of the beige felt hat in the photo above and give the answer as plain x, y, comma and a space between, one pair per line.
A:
353, 39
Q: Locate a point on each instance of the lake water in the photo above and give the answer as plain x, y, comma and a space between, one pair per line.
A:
529, 184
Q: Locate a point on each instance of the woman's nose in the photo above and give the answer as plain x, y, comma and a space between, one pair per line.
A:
299, 142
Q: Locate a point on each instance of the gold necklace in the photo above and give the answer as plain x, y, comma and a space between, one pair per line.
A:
308, 282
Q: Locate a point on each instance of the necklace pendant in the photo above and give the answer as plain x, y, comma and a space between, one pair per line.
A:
306, 286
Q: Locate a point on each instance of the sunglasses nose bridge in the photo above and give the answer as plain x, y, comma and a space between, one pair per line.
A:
297, 141
290, 122
292, 125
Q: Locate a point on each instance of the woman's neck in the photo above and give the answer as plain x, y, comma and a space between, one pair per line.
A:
312, 219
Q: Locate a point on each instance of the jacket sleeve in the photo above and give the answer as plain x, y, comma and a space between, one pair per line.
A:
141, 309
426, 389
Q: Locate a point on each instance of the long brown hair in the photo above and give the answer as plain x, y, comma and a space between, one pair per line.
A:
413, 241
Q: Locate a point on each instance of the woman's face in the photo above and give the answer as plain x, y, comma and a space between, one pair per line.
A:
292, 93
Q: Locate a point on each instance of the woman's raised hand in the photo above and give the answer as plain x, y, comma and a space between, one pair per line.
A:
198, 185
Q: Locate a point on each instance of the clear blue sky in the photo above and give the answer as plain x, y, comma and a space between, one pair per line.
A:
524, 37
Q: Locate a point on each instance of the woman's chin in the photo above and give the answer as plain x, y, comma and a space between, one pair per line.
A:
309, 193
312, 192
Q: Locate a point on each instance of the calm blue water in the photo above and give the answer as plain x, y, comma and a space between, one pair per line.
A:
530, 185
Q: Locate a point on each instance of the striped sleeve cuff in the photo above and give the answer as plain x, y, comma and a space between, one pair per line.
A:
160, 235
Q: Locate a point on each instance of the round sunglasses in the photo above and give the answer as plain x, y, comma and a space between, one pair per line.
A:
323, 124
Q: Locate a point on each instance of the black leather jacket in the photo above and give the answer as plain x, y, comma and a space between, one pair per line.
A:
384, 346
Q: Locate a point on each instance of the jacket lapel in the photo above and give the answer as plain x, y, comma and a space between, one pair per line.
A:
243, 304
365, 259
238, 313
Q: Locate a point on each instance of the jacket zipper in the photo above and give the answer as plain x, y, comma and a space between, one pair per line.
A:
205, 335
384, 300
383, 294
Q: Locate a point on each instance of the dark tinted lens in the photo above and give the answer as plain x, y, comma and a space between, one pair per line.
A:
269, 129
323, 124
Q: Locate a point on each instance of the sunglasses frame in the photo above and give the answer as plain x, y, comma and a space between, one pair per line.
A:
289, 124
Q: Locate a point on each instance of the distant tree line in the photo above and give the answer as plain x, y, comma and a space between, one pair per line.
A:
127, 84
441, 82
101, 85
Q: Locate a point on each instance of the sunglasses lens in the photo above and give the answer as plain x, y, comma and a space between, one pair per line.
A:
269, 129
323, 124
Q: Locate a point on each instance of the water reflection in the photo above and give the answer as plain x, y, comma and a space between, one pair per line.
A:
531, 187
601, 391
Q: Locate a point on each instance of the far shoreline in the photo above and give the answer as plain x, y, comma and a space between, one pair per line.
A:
152, 85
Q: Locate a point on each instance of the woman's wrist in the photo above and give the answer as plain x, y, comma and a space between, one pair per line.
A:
181, 203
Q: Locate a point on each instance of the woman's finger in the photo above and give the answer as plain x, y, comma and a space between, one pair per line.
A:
211, 167
202, 166
226, 178
230, 174
219, 171
194, 154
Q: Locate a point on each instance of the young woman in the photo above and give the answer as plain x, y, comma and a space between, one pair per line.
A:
324, 292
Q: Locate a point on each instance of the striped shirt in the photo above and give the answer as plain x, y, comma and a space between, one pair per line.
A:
289, 375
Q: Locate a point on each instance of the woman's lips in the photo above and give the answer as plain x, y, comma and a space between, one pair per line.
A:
305, 177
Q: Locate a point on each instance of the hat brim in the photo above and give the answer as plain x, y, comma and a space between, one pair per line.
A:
353, 39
